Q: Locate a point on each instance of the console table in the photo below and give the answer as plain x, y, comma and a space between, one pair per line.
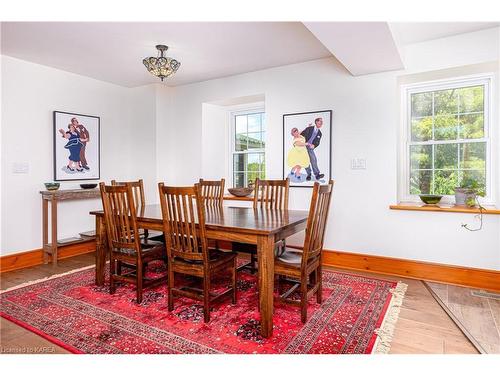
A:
54, 196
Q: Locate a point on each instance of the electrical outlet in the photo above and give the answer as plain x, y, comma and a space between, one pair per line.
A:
358, 163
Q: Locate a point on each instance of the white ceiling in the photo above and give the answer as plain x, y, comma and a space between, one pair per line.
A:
415, 32
113, 52
362, 47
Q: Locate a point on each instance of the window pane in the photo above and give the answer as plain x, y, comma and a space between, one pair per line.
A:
239, 162
446, 156
421, 129
445, 102
420, 182
472, 126
241, 124
254, 123
254, 140
253, 162
421, 104
252, 176
421, 157
473, 156
239, 180
445, 127
263, 138
445, 182
241, 142
471, 99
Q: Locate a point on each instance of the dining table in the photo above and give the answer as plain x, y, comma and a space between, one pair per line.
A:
263, 227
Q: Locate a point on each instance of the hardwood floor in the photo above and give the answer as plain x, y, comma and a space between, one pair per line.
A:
423, 326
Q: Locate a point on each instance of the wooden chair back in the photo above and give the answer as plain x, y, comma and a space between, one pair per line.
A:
271, 194
137, 191
120, 216
183, 215
316, 222
212, 192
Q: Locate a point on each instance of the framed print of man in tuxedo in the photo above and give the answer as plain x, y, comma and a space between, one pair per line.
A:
307, 147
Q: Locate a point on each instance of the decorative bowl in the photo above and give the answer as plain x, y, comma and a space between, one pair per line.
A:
88, 186
240, 192
52, 185
430, 198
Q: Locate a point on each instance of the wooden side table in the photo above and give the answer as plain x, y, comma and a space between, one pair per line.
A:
54, 196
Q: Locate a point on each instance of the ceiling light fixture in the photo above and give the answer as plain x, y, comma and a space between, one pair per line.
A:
161, 66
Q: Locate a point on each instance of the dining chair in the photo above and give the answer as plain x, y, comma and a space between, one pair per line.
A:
183, 215
268, 194
212, 193
304, 266
125, 247
140, 204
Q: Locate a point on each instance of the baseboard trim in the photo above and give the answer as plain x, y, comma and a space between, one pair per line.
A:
412, 269
11, 262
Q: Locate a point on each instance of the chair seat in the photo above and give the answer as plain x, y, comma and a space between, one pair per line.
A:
217, 258
156, 236
148, 252
147, 243
291, 256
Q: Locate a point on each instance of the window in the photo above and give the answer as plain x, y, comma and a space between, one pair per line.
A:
447, 137
248, 150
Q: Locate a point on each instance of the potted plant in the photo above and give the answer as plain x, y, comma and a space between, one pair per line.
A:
466, 194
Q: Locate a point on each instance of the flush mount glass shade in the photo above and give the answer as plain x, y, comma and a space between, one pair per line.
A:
161, 66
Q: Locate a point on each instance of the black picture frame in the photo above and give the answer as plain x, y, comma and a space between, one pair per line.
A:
94, 140
328, 175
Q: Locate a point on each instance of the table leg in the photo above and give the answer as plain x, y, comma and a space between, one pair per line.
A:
53, 237
265, 253
45, 229
100, 251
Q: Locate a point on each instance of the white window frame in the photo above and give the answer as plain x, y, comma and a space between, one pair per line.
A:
405, 133
243, 110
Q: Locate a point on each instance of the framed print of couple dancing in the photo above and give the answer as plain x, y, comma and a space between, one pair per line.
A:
76, 147
307, 147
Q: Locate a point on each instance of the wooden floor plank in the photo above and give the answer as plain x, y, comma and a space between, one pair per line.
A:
418, 342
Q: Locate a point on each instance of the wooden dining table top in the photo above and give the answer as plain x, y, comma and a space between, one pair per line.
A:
238, 219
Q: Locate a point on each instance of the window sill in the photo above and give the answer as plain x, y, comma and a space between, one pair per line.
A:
442, 207
228, 197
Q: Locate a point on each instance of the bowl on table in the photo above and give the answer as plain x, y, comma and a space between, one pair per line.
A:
240, 192
88, 186
430, 198
52, 185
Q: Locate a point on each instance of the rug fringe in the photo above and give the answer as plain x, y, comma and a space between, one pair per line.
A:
386, 330
28, 283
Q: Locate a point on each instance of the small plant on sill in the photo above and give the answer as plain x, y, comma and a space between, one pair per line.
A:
467, 194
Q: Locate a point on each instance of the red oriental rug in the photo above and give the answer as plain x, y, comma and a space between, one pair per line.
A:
357, 316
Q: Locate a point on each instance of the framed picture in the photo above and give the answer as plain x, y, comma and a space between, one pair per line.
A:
76, 147
307, 150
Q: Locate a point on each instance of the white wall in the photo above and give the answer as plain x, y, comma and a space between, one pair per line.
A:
30, 93
214, 141
161, 134
365, 124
